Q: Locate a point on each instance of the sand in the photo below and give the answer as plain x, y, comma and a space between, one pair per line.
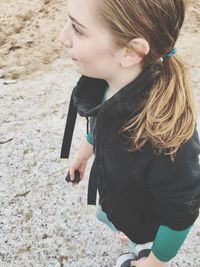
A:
29, 33
43, 220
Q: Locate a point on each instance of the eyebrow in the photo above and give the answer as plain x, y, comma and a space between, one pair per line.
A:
76, 21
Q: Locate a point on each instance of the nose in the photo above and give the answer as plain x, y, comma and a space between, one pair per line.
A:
65, 37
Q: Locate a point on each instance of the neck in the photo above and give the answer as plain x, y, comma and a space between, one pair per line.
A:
118, 81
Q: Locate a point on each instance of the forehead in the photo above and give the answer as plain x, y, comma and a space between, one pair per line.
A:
85, 11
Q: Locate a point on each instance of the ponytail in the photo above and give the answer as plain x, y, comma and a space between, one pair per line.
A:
168, 116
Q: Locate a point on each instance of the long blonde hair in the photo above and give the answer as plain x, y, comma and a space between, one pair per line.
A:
168, 117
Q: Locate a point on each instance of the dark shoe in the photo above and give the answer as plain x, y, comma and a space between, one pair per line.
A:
125, 259
143, 253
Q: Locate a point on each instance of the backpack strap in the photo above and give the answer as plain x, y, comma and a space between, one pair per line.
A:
69, 129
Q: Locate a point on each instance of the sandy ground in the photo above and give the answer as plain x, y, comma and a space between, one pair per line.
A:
44, 221
29, 36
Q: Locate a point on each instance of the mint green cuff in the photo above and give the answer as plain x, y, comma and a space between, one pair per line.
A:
168, 242
89, 138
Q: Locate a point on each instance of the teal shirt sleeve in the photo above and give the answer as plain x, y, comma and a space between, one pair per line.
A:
168, 242
89, 138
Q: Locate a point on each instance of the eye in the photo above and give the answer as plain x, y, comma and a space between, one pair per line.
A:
76, 30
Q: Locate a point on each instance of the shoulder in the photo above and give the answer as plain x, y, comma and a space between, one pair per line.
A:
180, 174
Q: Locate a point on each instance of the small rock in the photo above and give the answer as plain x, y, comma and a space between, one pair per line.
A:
24, 249
45, 236
28, 216
6, 82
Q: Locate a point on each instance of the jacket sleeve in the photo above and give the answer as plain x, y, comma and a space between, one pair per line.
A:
175, 185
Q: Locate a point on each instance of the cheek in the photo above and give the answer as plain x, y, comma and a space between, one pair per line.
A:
93, 52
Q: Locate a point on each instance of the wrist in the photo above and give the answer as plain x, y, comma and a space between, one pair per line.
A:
85, 152
81, 157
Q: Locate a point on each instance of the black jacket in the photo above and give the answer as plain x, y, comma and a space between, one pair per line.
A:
141, 190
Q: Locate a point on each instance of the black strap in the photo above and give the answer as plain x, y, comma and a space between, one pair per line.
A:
92, 190
69, 129
93, 185
87, 125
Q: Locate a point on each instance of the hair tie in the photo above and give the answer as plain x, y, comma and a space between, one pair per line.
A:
170, 54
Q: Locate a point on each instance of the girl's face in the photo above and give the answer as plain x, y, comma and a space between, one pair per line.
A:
88, 44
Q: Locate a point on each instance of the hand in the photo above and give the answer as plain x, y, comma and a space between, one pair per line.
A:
80, 160
78, 164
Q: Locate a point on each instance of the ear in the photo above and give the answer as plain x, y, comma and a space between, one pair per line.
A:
135, 52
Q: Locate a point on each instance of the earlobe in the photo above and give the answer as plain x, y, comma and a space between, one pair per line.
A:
130, 60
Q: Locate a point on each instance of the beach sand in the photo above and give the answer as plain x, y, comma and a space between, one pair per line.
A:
43, 220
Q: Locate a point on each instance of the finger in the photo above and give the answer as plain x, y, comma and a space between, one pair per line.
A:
82, 175
82, 171
71, 173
